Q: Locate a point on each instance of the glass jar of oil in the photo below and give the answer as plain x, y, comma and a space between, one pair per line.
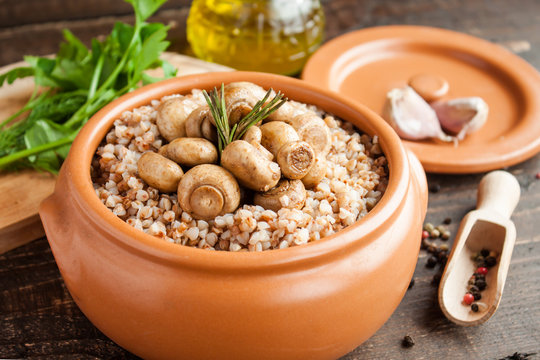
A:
258, 35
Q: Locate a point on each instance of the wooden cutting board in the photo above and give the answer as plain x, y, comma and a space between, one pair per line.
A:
22, 192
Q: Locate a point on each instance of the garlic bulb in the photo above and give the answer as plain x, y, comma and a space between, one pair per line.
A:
411, 116
461, 116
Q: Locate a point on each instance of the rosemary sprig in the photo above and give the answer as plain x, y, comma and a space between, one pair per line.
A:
261, 110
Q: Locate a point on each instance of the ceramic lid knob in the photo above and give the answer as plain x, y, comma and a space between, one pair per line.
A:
430, 87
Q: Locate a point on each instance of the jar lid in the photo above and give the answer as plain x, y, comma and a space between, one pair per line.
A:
364, 65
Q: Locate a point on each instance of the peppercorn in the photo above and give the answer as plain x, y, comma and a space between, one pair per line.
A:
435, 188
436, 279
447, 221
446, 235
444, 247
441, 254
407, 342
425, 243
474, 307
435, 233
477, 296
472, 280
491, 261
473, 288
479, 258
481, 284
493, 253
468, 298
538, 175
432, 249
428, 227
425, 234
482, 270
411, 284
484, 252
431, 262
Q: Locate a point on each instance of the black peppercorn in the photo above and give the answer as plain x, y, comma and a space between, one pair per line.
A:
473, 288
435, 188
411, 284
431, 262
435, 281
477, 296
484, 252
407, 342
481, 284
474, 307
491, 261
447, 221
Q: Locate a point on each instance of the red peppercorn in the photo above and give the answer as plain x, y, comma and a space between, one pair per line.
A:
468, 299
482, 270
425, 234
538, 175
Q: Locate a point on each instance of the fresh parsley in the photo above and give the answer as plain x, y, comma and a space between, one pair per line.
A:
75, 84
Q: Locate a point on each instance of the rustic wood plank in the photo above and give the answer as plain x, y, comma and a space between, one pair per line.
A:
23, 12
44, 38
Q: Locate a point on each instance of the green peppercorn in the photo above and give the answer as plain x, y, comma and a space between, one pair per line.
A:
428, 227
444, 247
435, 233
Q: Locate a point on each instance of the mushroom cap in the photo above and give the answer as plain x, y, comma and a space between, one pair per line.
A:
240, 97
316, 173
275, 134
252, 169
191, 151
172, 115
200, 123
313, 130
207, 191
288, 193
159, 172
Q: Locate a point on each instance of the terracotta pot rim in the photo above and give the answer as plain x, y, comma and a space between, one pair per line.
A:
157, 249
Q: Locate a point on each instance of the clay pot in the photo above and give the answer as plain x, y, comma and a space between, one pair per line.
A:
166, 301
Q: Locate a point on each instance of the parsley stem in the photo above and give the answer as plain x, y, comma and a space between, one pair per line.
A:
95, 76
6, 160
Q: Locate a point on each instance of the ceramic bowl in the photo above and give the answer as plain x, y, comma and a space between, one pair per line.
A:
166, 301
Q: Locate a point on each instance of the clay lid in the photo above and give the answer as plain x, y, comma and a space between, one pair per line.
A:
364, 65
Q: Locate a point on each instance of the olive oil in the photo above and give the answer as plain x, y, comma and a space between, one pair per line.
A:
259, 35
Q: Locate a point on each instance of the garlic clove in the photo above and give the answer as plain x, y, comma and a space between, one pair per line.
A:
462, 116
411, 116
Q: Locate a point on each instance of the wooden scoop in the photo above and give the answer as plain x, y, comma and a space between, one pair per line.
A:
487, 227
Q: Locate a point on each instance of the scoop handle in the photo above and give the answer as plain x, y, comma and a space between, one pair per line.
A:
498, 191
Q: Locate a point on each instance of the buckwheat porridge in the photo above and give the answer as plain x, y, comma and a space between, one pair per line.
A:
239, 169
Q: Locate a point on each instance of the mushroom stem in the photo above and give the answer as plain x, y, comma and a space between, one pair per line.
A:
200, 124
295, 159
207, 191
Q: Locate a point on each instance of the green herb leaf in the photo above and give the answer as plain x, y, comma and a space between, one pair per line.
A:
17, 73
78, 82
261, 110
145, 8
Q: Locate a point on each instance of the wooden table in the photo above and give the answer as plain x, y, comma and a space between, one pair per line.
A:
38, 318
